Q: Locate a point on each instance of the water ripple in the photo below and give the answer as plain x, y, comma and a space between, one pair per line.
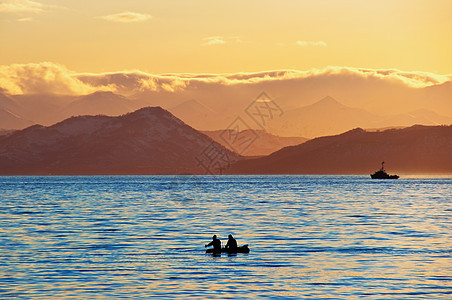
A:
141, 237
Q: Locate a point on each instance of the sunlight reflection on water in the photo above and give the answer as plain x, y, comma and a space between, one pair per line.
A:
144, 236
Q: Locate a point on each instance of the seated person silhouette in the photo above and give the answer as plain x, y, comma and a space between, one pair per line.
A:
216, 243
231, 246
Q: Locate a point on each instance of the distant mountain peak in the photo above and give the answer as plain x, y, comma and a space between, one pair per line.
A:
357, 130
328, 100
327, 103
150, 109
102, 95
192, 101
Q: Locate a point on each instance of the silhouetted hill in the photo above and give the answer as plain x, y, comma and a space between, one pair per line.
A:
417, 149
260, 142
147, 141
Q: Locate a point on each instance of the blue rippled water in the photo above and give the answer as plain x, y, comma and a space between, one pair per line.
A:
142, 237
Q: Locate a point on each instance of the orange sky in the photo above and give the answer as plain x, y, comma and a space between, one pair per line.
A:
223, 36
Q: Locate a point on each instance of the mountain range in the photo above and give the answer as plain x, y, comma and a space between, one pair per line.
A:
326, 116
153, 141
148, 141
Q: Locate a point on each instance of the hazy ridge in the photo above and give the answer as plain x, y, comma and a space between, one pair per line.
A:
414, 150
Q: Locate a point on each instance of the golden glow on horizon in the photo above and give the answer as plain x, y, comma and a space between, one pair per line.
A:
201, 36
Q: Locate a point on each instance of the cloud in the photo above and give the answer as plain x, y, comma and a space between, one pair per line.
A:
25, 20
136, 82
214, 40
41, 78
415, 79
126, 17
311, 43
131, 82
220, 40
19, 6
47, 77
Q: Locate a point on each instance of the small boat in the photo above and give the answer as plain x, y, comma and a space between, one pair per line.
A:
381, 174
241, 249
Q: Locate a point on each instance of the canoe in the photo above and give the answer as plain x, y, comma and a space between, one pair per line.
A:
241, 249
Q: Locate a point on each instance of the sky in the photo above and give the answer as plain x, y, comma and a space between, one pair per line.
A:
227, 36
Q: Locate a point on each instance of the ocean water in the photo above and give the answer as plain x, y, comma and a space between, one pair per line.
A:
142, 237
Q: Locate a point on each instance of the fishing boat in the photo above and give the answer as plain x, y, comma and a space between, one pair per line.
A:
381, 174
241, 249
